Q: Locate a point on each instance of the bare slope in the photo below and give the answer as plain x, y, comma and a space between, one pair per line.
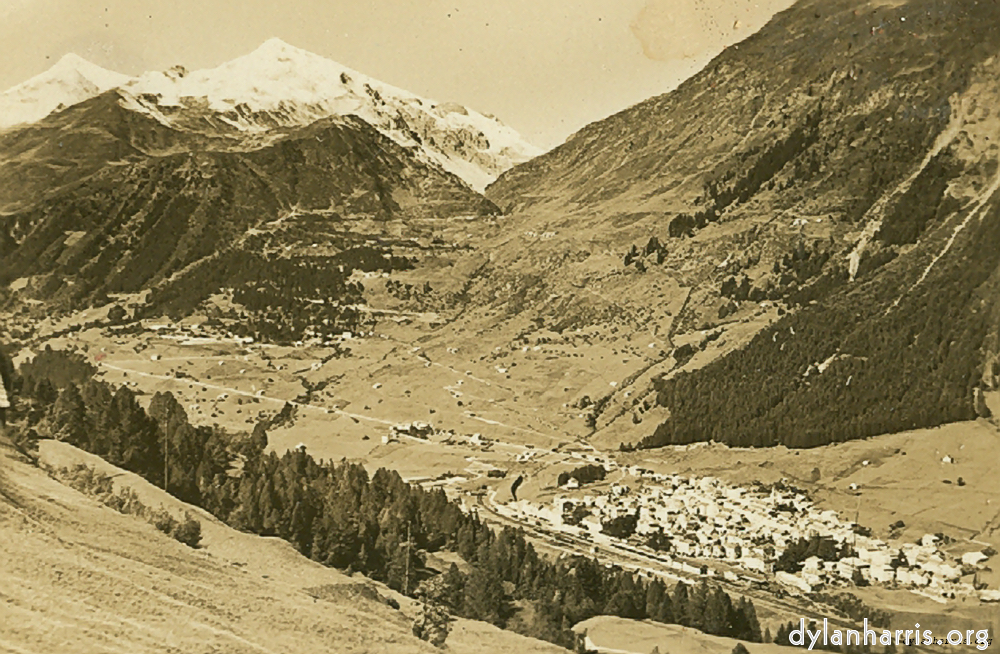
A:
79, 577
623, 636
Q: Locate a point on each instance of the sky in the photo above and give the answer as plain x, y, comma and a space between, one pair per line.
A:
544, 67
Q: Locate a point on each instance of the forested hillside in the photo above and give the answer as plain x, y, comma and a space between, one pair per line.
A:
904, 350
187, 216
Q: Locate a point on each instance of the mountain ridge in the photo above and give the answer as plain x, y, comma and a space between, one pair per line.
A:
278, 86
71, 80
94, 197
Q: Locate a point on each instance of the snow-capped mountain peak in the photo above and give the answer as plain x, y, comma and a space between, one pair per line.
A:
71, 80
280, 85
275, 47
276, 86
260, 81
99, 77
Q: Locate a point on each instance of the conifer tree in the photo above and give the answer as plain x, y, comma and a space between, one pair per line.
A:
69, 417
432, 624
681, 601
484, 597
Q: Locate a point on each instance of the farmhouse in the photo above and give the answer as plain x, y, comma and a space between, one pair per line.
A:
973, 558
412, 429
793, 581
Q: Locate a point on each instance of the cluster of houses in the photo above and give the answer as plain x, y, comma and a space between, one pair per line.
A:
748, 529
543, 235
922, 567
206, 334
416, 429
190, 334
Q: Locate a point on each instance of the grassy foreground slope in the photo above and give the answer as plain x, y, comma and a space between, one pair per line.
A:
618, 635
79, 577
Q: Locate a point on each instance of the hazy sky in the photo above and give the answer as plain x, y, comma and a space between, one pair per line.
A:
545, 67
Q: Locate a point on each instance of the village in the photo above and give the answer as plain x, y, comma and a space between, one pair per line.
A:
753, 535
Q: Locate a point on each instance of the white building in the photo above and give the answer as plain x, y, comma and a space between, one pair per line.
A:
973, 558
792, 581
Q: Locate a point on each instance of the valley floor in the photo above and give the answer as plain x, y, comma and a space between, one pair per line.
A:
490, 415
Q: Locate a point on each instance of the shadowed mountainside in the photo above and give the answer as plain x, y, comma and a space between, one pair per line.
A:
133, 205
850, 182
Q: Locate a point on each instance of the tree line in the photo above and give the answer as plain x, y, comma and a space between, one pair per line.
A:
585, 474
823, 547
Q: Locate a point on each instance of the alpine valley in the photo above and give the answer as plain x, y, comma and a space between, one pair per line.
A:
742, 338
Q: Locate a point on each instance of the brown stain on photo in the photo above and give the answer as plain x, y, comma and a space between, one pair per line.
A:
683, 29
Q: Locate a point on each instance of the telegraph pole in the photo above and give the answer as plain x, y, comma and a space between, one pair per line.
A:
857, 516
854, 544
166, 470
406, 575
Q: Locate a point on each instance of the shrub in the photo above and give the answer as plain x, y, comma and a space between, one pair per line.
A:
432, 625
100, 486
621, 527
188, 531
162, 520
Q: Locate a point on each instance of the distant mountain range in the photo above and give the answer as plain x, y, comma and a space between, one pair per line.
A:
279, 86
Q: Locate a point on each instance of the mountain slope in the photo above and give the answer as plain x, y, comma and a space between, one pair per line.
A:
278, 85
128, 204
867, 139
39, 160
837, 70
71, 80
73, 568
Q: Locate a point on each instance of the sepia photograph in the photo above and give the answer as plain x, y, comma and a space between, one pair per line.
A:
534, 326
